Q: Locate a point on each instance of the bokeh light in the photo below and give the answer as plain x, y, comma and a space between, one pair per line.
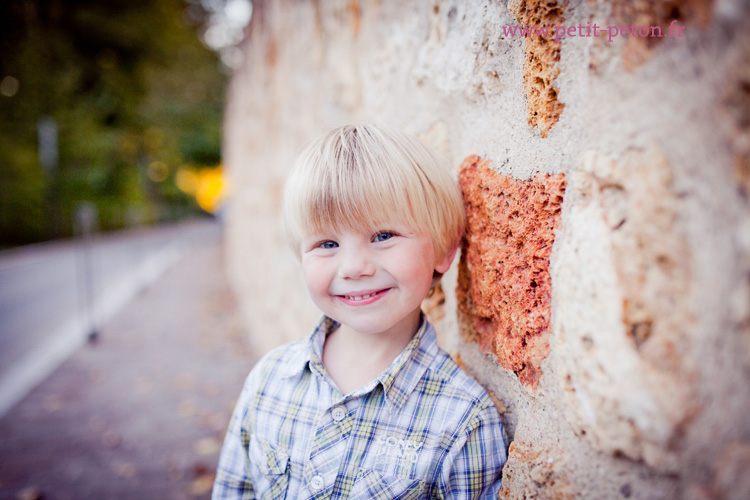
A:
9, 86
208, 185
158, 171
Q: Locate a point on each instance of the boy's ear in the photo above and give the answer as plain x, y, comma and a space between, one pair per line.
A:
444, 264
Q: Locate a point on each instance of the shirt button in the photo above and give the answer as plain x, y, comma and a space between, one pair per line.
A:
338, 414
316, 483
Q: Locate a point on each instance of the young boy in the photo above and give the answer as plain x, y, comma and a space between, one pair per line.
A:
368, 406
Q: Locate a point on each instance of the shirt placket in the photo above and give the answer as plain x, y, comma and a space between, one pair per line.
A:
329, 447
330, 437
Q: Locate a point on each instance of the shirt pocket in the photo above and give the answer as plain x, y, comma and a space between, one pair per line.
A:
269, 465
375, 485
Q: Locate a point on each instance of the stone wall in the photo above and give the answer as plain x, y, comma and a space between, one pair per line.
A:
603, 290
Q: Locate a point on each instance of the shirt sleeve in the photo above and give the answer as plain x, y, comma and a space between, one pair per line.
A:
232, 474
473, 467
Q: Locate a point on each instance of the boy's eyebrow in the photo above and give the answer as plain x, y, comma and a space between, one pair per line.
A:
398, 227
317, 237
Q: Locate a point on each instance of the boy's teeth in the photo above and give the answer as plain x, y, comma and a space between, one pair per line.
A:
359, 297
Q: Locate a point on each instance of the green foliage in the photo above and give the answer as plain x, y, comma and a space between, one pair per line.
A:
129, 84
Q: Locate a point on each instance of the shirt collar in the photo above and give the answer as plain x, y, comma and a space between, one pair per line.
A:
312, 353
398, 380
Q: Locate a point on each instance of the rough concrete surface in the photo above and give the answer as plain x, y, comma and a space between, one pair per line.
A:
639, 386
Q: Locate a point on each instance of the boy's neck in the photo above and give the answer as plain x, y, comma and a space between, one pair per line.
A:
352, 359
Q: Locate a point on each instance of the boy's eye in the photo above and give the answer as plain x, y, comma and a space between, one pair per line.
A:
385, 235
328, 244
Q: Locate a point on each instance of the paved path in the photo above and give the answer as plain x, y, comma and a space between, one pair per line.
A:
47, 312
140, 414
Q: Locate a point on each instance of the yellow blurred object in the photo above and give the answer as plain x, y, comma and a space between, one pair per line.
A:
207, 185
186, 180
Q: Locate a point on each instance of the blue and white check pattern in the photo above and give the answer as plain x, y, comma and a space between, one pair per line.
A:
422, 429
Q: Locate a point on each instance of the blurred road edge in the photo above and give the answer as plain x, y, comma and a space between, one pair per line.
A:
39, 364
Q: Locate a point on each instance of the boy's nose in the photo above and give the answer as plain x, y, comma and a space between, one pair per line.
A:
355, 264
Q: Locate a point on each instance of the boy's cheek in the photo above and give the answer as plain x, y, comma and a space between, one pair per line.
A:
314, 276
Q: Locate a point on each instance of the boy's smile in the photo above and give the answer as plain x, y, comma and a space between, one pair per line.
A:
371, 282
363, 297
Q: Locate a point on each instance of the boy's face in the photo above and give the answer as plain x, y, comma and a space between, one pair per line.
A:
371, 282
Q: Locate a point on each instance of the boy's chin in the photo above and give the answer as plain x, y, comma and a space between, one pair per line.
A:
406, 325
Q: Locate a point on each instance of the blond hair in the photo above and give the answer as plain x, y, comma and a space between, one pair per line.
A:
359, 177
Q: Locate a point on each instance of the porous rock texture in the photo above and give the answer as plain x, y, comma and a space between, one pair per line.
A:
540, 64
623, 372
504, 291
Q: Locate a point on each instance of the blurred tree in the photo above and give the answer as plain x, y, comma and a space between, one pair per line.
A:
134, 94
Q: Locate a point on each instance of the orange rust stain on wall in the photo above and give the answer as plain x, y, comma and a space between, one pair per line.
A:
540, 65
503, 282
356, 12
272, 54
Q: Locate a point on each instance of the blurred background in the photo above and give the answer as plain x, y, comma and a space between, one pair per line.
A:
618, 358
110, 177
118, 103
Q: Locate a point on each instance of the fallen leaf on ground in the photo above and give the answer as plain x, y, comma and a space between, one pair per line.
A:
202, 485
207, 446
30, 493
127, 470
53, 403
199, 469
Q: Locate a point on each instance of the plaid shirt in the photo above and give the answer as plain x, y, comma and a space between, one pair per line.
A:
422, 429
